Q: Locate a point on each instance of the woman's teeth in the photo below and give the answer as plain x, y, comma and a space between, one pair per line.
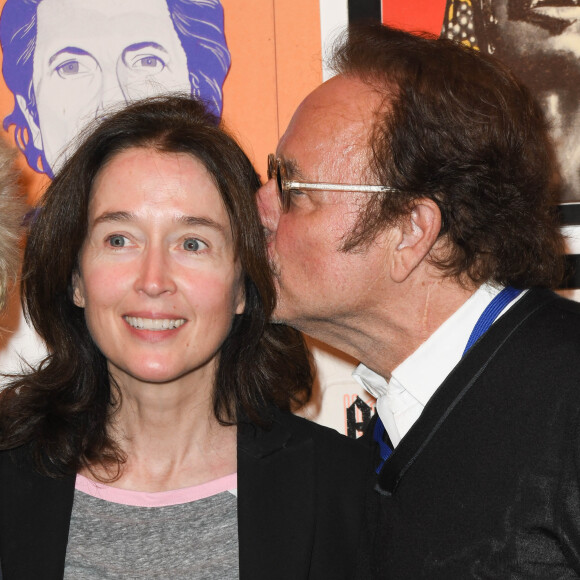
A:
154, 323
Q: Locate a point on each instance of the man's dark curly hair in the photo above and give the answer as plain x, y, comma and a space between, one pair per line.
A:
457, 127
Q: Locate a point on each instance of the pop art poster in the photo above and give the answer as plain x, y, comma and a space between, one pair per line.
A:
67, 62
255, 61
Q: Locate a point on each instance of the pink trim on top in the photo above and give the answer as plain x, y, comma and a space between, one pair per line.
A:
159, 498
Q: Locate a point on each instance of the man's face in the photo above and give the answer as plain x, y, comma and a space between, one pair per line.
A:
326, 141
92, 54
540, 41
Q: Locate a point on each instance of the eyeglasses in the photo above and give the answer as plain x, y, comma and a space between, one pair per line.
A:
277, 170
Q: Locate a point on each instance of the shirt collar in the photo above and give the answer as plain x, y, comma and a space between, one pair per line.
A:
424, 370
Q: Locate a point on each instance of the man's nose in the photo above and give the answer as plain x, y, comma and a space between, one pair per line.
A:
269, 206
155, 277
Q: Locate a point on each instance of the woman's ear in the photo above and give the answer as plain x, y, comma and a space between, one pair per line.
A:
78, 290
240, 299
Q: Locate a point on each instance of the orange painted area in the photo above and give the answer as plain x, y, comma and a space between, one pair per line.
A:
298, 54
414, 15
276, 60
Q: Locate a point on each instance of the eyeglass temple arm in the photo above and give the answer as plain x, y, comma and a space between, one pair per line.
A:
339, 187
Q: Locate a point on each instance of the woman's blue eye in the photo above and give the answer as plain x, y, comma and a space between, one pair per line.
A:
193, 245
117, 241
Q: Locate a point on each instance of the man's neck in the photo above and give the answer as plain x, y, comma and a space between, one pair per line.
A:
387, 333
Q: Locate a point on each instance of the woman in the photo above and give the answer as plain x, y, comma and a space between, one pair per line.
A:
165, 389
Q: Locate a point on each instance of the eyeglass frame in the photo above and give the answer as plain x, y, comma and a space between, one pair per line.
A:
277, 171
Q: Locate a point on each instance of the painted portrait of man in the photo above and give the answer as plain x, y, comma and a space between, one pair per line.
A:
67, 61
540, 41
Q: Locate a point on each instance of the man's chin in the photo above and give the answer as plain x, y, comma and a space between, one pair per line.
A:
281, 315
285, 310
278, 317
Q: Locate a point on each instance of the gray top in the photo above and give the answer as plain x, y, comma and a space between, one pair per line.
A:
196, 540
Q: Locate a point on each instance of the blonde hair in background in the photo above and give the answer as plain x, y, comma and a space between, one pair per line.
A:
12, 209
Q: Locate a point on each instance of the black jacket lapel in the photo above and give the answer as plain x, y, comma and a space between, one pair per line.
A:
455, 387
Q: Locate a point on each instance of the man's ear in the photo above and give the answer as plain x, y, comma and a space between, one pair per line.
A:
417, 233
78, 290
32, 126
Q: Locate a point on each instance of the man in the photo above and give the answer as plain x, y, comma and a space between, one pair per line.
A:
67, 61
409, 212
540, 42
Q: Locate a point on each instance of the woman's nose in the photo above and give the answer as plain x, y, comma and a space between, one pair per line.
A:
155, 275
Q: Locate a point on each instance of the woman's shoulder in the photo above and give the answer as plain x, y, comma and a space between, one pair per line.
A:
17, 461
327, 439
307, 427
18, 454
308, 448
287, 432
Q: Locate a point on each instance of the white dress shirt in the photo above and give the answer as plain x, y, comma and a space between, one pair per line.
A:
401, 400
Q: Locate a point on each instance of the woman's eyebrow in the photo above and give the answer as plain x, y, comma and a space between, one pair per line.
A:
126, 216
200, 221
115, 216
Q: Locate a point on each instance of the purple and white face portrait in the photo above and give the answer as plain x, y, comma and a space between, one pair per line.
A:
66, 61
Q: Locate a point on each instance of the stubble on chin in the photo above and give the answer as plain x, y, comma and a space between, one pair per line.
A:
274, 270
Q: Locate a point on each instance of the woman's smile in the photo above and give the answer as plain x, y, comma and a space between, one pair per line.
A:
155, 324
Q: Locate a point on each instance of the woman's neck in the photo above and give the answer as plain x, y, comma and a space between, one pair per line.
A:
170, 437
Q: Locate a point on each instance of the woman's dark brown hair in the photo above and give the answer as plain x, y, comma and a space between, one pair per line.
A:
63, 408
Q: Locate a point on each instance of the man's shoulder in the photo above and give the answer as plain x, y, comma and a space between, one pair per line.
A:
549, 314
547, 298
544, 311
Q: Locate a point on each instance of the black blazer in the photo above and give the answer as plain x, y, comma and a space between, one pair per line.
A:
486, 484
300, 504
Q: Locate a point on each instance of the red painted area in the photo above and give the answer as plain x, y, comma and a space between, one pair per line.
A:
414, 15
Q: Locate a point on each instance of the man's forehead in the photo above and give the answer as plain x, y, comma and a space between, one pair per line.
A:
331, 126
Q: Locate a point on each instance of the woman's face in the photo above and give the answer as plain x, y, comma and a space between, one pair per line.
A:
158, 280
